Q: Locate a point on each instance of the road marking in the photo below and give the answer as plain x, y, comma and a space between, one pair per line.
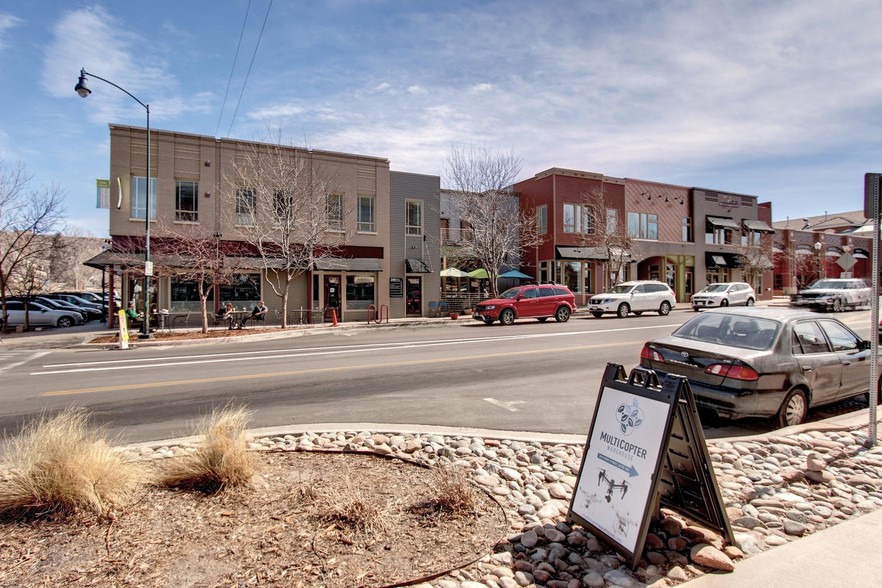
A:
510, 405
32, 357
285, 374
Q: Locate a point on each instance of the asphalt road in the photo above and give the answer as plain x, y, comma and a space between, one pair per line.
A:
541, 377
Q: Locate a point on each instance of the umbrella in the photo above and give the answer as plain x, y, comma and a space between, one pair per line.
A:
480, 274
516, 274
453, 272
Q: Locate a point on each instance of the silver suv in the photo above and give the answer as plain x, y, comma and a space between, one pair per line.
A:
724, 294
834, 294
634, 297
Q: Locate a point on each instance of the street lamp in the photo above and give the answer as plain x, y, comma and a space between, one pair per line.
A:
82, 88
818, 246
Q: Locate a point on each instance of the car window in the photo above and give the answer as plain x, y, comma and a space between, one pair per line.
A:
546, 291
746, 332
529, 293
561, 292
622, 289
510, 293
14, 305
808, 338
639, 289
841, 338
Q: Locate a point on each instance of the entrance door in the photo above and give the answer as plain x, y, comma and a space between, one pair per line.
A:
333, 297
414, 296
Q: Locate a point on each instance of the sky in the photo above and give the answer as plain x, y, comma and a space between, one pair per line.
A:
780, 100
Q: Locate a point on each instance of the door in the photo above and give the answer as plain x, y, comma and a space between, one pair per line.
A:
821, 367
414, 296
855, 361
333, 297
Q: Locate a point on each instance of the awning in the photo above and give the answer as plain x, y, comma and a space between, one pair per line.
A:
758, 226
416, 266
722, 222
352, 264
861, 253
713, 259
583, 253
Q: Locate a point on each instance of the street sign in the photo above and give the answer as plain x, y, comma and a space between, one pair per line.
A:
846, 261
871, 194
645, 448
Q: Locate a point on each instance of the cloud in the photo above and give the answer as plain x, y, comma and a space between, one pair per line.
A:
483, 87
417, 90
7, 22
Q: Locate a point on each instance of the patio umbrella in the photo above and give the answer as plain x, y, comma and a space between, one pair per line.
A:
480, 274
453, 272
516, 274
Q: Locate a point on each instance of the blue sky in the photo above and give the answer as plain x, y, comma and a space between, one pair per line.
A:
781, 100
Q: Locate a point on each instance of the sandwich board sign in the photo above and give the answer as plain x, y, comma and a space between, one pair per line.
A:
645, 449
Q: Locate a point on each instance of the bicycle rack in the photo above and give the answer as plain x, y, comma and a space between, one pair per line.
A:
377, 317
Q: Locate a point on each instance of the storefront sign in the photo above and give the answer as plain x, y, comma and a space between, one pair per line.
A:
396, 288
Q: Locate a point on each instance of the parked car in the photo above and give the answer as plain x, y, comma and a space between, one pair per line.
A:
62, 305
94, 311
834, 294
634, 297
724, 294
535, 301
39, 315
767, 362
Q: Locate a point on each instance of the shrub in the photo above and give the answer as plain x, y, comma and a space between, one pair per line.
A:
352, 509
220, 461
453, 494
62, 465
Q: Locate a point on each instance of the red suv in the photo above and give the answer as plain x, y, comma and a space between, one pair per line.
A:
538, 302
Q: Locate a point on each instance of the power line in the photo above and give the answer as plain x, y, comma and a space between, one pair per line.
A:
250, 65
232, 69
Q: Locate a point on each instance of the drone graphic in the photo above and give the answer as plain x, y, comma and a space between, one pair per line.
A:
612, 485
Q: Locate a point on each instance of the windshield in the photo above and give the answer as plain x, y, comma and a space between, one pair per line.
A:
745, 332
621, 289
828, 285
715, 288
510, 293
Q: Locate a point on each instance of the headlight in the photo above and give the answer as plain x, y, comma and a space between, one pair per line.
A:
490, 307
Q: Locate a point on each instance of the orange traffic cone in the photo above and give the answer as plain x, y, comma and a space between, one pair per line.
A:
334, 316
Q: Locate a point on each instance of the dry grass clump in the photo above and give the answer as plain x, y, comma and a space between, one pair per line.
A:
220, 461
454, 494
62, 465
352, 509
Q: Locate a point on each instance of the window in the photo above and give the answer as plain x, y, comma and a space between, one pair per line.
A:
282, 206
366, 222
576, 219
139, 197
187, 201
334, 203
359, 292
841, 338
445, 230
245, 206
413, 222
612, 221
642, 225
542, 220
687, 230
807, 338
751, 238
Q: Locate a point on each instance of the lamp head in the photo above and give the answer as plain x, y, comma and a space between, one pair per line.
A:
82, 86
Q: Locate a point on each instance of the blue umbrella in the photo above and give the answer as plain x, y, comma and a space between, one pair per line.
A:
516, 274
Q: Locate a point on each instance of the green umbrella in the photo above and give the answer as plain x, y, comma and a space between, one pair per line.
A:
480, 274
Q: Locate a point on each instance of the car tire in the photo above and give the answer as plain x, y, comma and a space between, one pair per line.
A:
837, 305
488, 321
542, 319
562, 315
597, 314
749, 302
507, 317
696, 309
793, 410
724, 303
64, 322
623, 310
665, 308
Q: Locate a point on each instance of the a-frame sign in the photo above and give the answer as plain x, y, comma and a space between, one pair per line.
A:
645, 448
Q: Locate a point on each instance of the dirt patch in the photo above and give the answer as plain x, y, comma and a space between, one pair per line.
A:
284, 531
184, 335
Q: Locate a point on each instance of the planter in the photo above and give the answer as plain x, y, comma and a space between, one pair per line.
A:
454, 315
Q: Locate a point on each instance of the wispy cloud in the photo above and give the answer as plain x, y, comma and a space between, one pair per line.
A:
7, 22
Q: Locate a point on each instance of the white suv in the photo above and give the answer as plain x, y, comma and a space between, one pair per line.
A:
724, 294
634, 297
834, 294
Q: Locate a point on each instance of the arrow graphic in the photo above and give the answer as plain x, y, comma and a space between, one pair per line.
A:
630, 470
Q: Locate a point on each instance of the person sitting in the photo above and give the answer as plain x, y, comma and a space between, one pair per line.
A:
225, 313
258, 313
132, 315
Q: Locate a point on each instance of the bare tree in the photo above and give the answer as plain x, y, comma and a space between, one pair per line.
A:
802, 264
65, 262
753, 259
479, 183
287, 211
607, 231
27, 217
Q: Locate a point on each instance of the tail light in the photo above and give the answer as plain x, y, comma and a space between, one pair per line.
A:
735, 371
651, 354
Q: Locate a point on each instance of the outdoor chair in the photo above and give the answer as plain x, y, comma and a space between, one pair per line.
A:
433, 308
181, 320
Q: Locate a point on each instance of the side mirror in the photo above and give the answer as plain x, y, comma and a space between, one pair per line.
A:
864, 345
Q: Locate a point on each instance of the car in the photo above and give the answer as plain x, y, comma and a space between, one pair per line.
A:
723, 294
763, 362
533, 301
836, 294
39, 315
62, 305
94, 311
634, 297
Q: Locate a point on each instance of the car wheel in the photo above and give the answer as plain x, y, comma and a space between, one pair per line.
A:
562, 315
597, 314
507, 316
724, 303
665, 308
750, 302
696, 309
837, 305
623, 310
488, 321
793, 409
542, 319
64, 322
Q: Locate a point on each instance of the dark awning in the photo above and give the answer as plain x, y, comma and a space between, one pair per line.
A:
581, 253
758, 226
718, 221
861, 253
352, 264
714, 259
416, 266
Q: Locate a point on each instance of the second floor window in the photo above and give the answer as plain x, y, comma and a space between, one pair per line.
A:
246, 206
542, 220
687, 230
335, 212
612, 221
413, 223
577, 219
642, 225
366, 221
187, 201
282, 207
139, 197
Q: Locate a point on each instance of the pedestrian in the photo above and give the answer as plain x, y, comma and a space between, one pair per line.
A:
258, 313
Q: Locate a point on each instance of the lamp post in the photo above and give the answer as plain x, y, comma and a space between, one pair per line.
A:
82, 88
818, 247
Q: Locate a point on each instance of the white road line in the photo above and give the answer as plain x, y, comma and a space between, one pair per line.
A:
32, 357
510, 405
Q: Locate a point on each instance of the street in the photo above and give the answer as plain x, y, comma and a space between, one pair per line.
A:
531, 376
